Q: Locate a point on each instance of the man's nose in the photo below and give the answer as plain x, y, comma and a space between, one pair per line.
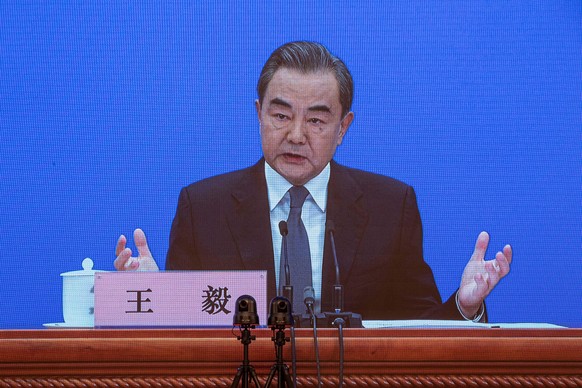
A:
297, 133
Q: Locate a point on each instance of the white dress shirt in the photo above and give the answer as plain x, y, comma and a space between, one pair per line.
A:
313, 216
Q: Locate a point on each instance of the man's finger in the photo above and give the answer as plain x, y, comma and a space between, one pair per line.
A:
508, 253
121, 241
121, 259
141, 243
493, 274
480, 247
502, 263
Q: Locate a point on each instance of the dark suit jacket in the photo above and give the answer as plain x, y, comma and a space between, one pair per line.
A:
222, 223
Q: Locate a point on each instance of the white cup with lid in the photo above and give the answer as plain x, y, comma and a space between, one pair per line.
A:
79, 296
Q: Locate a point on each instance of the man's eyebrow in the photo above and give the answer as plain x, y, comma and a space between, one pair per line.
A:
278, 101
320, 108
315, 108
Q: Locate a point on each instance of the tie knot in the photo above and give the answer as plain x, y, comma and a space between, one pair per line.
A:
298, 195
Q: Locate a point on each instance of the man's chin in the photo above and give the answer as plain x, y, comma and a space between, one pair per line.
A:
295, 175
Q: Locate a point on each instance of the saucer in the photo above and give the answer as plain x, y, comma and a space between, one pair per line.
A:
64, 325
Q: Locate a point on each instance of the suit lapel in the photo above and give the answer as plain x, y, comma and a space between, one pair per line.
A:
250, 224
350, 220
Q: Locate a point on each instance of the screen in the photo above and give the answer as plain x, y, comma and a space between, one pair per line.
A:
108, 109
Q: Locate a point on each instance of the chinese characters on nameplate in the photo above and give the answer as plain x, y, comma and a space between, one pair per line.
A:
180, 298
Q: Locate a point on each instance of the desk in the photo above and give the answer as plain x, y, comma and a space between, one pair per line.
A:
373, 357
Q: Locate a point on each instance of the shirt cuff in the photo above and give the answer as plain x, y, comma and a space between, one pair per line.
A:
477, 317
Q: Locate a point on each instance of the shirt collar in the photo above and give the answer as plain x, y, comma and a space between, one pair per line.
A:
277, 187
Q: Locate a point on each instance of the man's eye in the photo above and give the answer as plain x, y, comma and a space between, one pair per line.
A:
280, 116
315, 121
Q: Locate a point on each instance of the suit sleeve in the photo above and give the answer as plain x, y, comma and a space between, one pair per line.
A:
420, 297
181, 252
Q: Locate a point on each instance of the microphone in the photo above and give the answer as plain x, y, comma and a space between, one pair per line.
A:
309, 300
349, 319
287, 291
338, 290
309, 319
287, 288
338, 318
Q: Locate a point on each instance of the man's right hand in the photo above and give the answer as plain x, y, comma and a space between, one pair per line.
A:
124, 260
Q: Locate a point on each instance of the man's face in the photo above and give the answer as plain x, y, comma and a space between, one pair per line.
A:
301, 123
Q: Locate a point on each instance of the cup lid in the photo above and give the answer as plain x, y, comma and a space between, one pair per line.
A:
87, 270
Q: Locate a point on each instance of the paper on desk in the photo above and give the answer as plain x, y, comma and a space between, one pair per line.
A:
445, 324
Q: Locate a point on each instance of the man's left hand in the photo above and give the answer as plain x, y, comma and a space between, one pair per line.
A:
481, 276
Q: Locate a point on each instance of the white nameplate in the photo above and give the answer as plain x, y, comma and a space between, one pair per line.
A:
175, 298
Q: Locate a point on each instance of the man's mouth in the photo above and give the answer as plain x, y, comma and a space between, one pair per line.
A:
293, 158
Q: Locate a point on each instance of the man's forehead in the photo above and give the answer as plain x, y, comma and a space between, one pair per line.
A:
293, 75
319, 88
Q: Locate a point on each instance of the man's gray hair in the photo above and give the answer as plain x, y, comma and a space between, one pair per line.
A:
308, 57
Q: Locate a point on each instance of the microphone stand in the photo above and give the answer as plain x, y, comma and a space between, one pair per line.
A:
309, 300
339, 323
287, 289
287, 292
331, 319
338, 318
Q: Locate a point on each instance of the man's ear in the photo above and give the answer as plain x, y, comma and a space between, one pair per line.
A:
258, 108
344, 125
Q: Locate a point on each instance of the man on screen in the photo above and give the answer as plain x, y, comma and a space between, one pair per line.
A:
231, 221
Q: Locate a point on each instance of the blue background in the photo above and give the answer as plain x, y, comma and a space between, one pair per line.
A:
107, 109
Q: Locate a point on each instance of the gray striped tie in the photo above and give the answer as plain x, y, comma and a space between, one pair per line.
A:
298, 249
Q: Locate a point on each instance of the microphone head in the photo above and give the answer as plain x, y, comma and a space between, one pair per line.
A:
245, 311
330, 226
309, 295
283, 228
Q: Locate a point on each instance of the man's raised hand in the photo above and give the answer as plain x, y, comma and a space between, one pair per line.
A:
481, 276
125, 262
